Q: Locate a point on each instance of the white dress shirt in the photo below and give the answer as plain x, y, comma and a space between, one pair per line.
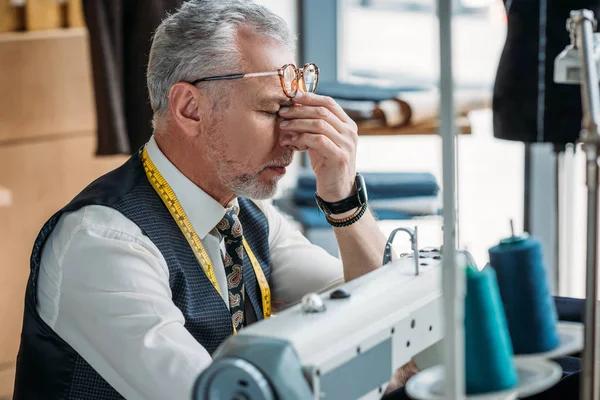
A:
104, 288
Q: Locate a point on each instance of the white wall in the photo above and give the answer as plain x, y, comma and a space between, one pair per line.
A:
286, 9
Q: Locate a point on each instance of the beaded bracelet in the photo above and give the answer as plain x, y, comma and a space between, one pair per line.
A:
339, 223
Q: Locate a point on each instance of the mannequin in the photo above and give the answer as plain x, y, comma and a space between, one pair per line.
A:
528, 106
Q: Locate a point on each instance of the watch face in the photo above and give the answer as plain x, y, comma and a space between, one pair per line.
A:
361, 189
322, 206
355, 200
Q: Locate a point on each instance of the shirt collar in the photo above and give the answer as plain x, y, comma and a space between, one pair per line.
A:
203, 211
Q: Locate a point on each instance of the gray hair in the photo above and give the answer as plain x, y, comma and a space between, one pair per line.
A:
200, 39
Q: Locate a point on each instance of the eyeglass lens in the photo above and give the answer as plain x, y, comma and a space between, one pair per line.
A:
308, 82
309, 78
290, 80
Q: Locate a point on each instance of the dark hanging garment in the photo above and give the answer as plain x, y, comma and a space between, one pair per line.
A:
527, 105
120, 33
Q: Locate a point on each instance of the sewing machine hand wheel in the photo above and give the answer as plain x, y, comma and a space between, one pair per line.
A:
387, 253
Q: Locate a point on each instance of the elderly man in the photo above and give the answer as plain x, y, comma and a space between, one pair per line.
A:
137, 281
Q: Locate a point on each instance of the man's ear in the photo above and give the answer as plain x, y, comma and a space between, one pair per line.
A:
186, 103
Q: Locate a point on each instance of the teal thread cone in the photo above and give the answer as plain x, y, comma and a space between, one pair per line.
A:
488, 350
528, 304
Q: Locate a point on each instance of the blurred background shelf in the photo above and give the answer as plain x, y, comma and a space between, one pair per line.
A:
47, 155
427, 128
40, 15
48, 96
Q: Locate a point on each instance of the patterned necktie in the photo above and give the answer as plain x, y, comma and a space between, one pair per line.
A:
233, 259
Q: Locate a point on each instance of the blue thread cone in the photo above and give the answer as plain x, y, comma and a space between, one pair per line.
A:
528, 304
488, 350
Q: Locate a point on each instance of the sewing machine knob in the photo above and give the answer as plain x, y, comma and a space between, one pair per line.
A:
312, 303
339, 294
232, 378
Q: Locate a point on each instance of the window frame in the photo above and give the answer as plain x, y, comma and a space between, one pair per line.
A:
319, 33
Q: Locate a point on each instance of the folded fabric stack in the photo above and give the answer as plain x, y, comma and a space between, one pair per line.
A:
401, 106
392, 196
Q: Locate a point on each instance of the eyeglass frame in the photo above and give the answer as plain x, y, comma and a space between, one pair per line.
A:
279, 72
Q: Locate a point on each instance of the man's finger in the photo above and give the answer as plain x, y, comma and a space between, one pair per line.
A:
315, 112
318, 143
316, 100
317, 127
401, 376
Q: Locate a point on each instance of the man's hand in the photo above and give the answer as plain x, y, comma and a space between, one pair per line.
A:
318, 124
401, 376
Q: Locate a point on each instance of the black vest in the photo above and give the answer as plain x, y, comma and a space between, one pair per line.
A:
48, 368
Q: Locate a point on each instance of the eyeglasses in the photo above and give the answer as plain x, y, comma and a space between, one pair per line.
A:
291, 78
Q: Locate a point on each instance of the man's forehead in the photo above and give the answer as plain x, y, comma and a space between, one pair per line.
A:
262, 52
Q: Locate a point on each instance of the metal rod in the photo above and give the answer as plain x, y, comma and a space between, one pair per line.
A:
590, 93
590, 98
453, 275
590, 382
557, 220
457, 186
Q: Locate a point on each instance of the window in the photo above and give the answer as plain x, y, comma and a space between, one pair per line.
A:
395, 43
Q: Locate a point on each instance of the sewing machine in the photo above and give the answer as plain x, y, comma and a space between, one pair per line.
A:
347, 342
341, 344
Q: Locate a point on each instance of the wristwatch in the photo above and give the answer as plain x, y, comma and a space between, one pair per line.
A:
355, 200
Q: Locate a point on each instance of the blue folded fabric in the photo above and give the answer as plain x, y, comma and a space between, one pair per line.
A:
363, 92
380, 185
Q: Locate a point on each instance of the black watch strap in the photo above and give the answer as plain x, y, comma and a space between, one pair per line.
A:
356, 200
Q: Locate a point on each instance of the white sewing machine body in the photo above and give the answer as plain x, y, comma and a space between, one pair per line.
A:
346, 349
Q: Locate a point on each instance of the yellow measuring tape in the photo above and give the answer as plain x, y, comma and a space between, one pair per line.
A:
168, 197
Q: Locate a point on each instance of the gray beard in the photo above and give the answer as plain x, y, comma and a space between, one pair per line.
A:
245, 184
249, 186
